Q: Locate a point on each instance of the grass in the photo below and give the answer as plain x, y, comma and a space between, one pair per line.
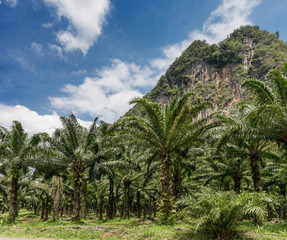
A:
268, 231
30, 226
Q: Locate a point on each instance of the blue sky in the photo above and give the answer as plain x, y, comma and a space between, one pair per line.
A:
92, 56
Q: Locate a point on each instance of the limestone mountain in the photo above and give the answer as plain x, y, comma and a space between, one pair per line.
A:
215, 72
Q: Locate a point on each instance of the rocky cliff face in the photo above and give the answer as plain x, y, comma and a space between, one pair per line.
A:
216, 72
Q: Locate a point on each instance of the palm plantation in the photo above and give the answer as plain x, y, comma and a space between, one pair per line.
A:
165, 164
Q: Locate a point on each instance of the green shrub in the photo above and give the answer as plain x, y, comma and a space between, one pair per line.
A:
254, 205
217, 212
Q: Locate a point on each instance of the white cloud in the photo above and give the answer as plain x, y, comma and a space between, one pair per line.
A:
231, 14
86, 18
228, 16
106, 95
25, 64
31, 120
12, 3
47, 25
79, 72
37, 47
56, 50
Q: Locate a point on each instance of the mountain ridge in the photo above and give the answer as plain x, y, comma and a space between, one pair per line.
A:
215, 72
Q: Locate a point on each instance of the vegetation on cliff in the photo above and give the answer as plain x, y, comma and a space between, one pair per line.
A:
247, 53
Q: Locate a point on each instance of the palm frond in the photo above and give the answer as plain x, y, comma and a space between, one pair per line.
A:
259, 90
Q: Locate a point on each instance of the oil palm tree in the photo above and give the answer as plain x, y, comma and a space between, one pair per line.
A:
146, 189
230, 162
271, 100
165, 132
75, 146
247, 134
105, 162
4, 189
132, 172
275, 173
16, 152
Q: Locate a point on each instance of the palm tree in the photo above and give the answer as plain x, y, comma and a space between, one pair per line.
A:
57, 192
242, 131
165, 132
146, 189
4, 188
271, 99
275, 172
104, 163
131, 171
102, 187
75, 146
35, 192
16, 150
230, 163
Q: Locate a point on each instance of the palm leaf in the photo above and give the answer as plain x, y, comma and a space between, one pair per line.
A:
259, 90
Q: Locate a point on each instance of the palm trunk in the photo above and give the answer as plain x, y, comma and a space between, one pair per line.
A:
77, 206
13, 208
165, 192
62, 211
226, 186
37, 210
282, 188
96, 209
115, 209
84, 200
138, 204
254, 163
46, 208
127, 185
57, 196
43, 208
237, 184
111, 202
269, 212
176, 179
145, 211
282, 191
101, 206
154, 208
70, 205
